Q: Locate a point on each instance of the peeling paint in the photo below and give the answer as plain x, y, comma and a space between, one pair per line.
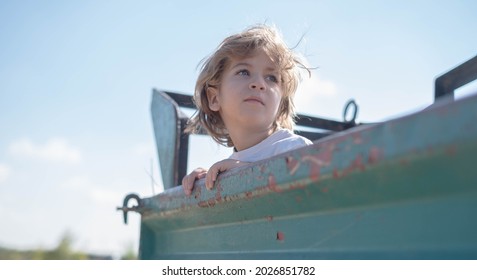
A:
248, 195
272, 184
314, 168
296, 186
208, 203
318, 161
292, 164
375, 155
357, 138
356, 164
323, 158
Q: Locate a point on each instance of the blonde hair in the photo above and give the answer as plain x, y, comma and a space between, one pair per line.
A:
243, 45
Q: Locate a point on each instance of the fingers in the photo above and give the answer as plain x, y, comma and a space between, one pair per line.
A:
215, 170
188, 180
210, 175
210, 178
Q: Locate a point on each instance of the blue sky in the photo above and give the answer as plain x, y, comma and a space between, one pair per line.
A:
76, 80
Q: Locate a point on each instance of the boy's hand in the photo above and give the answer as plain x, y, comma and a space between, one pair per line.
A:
220, 167
188, 180
210, 175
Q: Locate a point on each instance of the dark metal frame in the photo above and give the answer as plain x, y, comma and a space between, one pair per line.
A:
461, 75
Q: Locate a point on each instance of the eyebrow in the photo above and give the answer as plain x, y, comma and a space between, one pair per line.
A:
245, 64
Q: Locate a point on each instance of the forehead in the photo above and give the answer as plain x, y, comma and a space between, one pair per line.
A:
257, 58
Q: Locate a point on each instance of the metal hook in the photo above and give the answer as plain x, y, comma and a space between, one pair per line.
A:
351, 104
125, 207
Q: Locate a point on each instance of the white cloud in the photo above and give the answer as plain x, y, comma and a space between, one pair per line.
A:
315, 86
97, 193
77, 183
103, 196
317, 96
4, 172
55, 149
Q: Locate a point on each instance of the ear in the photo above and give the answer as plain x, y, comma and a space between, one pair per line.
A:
213, 98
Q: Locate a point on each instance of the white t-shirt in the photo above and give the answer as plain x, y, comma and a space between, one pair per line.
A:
279, 142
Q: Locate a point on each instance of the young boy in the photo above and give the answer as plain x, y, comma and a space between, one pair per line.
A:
244, 95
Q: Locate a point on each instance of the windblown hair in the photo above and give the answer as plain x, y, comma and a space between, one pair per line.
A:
240, 46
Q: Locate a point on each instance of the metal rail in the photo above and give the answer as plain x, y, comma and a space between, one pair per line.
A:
446, 84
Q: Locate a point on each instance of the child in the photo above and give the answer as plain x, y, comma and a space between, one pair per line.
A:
244, 95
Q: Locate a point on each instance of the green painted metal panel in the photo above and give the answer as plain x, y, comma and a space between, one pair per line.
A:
402, 189
165, 118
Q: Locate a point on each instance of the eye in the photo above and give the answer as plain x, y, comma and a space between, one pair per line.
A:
243, 72
272, 78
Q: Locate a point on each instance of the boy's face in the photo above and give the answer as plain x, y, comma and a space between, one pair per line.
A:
249, 94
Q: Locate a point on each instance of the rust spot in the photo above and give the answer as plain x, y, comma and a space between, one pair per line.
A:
451, 151
280, 236
315, 172
324, 190
209, 203
292, 164
248, 195
297, 186
316, 162
357, 164
357, 138
321, 159
336, 174
272, 184
375, 154
269, 218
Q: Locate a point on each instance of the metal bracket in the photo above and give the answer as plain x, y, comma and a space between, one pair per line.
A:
125, 207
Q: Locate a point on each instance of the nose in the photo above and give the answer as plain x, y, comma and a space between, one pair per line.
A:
258, 83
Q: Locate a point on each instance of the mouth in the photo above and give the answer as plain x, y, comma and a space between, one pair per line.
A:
254, 100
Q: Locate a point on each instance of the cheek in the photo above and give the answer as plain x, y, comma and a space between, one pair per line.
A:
277, 98
280, 102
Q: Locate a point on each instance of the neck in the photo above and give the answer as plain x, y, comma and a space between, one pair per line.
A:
244, 139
